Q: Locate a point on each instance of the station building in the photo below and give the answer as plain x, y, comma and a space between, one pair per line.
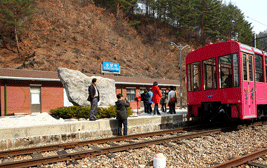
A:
31, 91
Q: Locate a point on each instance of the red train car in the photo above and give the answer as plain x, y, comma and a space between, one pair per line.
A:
227, 78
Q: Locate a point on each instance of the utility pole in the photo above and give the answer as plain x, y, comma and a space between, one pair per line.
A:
254, 40
180, 47
259, 38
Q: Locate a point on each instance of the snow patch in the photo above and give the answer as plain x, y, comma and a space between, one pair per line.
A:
28, 120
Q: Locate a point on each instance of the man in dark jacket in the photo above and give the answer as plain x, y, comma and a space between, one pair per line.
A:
146, 101
144, 98
94, 99
122, 114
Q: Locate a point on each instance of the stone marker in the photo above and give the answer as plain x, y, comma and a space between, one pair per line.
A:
76, 85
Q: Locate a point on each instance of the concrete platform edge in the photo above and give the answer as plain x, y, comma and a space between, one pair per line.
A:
72, 131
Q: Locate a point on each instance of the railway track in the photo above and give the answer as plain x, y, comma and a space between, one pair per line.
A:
247, 159
98, 141
36, 158
82, 149
83, 143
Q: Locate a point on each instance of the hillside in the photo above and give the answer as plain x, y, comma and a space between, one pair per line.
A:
77, 34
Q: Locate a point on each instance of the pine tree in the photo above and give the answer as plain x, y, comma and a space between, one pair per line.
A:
262, 42
15, 13
208, 19
118, 5
188, 17
223, 26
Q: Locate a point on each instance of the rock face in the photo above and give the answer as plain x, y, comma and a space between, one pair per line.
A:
76, 85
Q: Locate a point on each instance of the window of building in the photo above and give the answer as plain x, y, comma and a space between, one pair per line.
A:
225, 72
35, 99
131, 94
209, 74
235, 69
142, 90
259, 69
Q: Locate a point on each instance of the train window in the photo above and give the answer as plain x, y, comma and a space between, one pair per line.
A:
250, 68
188, 78
235, 69
266, 67
193, 75
195, 78
209, 74
259, 69
245, 76
225, 71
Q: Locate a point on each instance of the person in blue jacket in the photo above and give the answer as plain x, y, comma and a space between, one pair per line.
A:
150, 101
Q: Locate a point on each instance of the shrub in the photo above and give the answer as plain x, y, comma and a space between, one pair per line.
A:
62, 112
130, 111
84, 112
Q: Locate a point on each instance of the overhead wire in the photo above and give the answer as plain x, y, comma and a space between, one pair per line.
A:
256, 21
259, 38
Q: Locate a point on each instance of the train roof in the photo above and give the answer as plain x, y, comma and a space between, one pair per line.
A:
221, 48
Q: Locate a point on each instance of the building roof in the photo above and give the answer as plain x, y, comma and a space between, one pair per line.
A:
142, 81
37, 75
21, 74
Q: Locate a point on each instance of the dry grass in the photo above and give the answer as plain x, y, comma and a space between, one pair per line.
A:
78, 35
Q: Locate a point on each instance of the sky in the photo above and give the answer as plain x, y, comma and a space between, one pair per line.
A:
254, 11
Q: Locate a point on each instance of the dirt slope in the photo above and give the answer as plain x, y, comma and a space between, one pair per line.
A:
78, 35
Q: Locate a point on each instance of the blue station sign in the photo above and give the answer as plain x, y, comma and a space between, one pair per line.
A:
110, 66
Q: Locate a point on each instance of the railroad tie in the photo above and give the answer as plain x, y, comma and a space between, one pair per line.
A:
78, 149
72, 163
8, 159
111, 155
257, 164
37, 155
112, 144
62, 152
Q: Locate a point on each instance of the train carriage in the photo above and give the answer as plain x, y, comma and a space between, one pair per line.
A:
227, 78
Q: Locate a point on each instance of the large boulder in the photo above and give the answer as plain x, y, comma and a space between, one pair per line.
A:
76, 85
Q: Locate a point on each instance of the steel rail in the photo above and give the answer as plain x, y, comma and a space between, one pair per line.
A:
87, 142
92, 153
242, 160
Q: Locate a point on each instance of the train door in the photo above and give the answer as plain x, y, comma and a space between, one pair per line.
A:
248, 86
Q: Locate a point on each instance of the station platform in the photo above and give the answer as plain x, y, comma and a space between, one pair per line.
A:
72, 130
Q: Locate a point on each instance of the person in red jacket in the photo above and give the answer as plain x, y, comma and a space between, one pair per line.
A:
156, 97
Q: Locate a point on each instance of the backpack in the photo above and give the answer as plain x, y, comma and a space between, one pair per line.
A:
142, 97
173, 100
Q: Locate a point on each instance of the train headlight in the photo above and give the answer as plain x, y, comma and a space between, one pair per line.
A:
239, 101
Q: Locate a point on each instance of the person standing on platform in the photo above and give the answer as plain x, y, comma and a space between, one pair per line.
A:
94, 99
156, 97
163, 102
143, 98
150, 101
122, 114
146, 101
167, 93
172, 100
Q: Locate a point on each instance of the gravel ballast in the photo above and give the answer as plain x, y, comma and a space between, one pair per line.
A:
197, 152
